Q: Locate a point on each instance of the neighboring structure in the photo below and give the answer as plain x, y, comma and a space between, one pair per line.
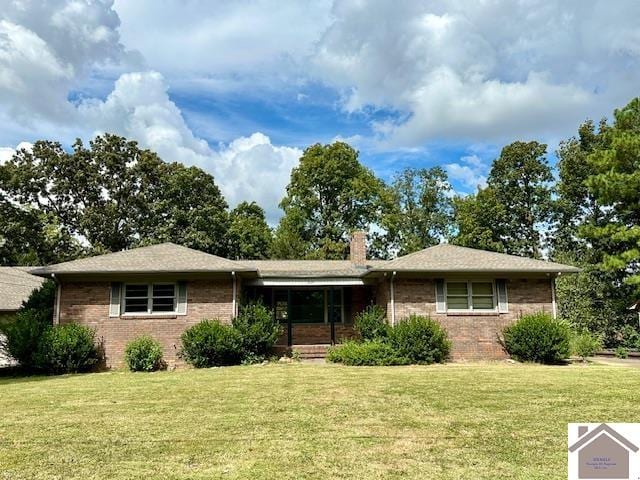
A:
162, 289
16, 284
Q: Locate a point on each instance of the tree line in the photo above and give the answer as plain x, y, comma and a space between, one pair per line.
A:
57, 205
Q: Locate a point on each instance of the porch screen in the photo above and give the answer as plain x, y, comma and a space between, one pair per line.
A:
307, 306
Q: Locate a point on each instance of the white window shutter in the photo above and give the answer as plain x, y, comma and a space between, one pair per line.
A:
503, 303
441, 301
181, 303
114, 302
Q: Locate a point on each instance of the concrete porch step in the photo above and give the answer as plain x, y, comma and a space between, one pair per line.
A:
311, 351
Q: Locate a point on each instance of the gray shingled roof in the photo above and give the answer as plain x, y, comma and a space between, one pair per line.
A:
307, 268
452, 258
161, 258
171, 258
16, 284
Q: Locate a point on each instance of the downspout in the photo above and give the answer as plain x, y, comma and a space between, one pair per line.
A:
553, 296
233, 304
393, 299
56, 312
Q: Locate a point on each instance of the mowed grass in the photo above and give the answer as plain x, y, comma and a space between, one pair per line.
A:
308, 421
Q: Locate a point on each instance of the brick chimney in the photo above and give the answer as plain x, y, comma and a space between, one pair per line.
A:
582, 429
358, 248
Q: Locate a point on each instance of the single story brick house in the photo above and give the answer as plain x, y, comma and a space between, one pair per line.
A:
162, 289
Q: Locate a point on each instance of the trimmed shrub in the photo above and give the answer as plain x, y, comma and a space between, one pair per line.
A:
420, 339
373, 353
538, 338
143, 354
621, 352
629, 337
68, 348
23, 337
258, 330
371, 323
585, 345
211, 344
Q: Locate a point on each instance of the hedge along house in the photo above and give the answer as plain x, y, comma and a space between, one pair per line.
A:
163, 289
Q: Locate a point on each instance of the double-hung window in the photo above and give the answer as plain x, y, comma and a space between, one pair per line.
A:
471, 296
149, 298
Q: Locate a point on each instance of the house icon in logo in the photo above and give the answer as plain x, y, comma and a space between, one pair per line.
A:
602, 453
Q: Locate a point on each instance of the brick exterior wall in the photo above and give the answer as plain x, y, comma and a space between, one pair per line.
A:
474, 337
87, 303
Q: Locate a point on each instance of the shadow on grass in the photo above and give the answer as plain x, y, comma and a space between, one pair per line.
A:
19, 374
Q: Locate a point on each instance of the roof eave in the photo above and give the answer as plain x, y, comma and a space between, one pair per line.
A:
46, 272
475, 270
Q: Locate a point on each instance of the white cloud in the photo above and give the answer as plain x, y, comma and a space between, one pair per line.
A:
224, 43
484, 71
471, 171
249, 168
6, 153
48, 48
252, 168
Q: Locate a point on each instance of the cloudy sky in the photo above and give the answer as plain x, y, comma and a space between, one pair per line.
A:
239, 88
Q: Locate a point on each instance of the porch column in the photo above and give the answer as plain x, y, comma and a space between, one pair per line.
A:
332, 316
289, 325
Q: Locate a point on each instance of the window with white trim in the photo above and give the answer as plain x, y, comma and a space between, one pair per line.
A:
471, 296
149, 298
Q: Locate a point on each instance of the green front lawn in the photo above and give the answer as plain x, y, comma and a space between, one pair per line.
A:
308, 421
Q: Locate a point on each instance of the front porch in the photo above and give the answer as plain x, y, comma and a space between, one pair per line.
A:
313, 315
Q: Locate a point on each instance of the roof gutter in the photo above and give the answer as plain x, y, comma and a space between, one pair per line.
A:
234, 288
56, 312
393, 300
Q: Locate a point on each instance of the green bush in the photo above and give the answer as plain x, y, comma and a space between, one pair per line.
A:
371, 323
420, 339
211, 344
259, 331
42, 301
372, 353
68, 348
143, 354
629, 337
621, 352
538, 338
23, 336
585, 345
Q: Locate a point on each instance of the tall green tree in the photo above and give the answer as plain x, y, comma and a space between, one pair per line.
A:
31, 237
596, 299
249, 237
615, 184
420, 213
520, 179
330, 195
480, 221
114, 195
576, 205
182, 205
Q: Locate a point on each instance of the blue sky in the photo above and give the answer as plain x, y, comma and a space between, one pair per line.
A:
241, 88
